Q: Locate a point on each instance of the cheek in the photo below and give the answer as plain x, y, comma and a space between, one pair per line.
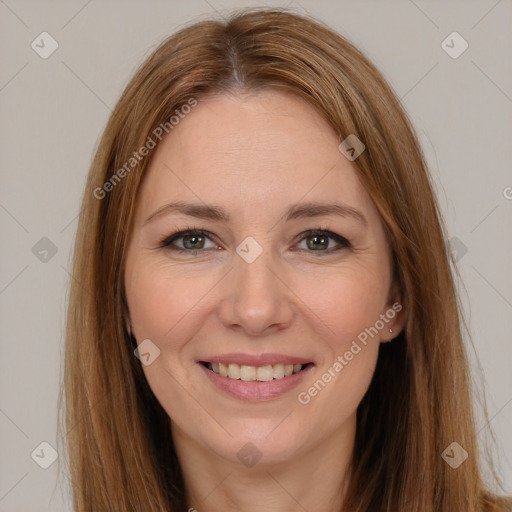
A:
349, 304
345, 303
159, 299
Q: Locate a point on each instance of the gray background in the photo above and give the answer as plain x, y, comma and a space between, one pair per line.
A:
54, 110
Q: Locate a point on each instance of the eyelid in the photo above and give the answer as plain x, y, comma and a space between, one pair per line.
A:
341, 240
168, 240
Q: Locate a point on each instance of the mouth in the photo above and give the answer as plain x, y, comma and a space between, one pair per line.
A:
265, 373
255, 378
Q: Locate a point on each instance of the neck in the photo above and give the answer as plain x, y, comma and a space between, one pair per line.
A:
313, 479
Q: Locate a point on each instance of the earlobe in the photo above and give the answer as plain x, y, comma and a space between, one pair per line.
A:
388, 337
128, 326
396, 314
129, 332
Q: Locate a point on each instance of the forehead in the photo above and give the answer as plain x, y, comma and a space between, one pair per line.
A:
251, 152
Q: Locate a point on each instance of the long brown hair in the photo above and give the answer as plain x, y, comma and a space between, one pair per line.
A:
121, 451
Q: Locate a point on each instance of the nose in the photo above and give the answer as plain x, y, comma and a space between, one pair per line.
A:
256, 299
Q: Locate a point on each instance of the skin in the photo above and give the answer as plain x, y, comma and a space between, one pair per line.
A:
255, 155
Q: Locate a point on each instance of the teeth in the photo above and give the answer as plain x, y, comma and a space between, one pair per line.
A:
223, 370
234, 371
278, 371
247, 372
265, 373
253, 373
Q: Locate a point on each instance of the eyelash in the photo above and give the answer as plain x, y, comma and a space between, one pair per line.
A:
166, 243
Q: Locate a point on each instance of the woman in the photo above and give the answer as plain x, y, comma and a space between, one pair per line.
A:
263, 315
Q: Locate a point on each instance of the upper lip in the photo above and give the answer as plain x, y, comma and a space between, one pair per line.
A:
255, 360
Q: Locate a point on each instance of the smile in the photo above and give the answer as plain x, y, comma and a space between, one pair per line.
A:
246, 373
255, 382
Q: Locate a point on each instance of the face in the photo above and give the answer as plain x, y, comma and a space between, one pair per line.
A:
268, 274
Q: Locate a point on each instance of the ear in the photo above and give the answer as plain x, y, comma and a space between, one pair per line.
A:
126, 316
395, 313
128, 326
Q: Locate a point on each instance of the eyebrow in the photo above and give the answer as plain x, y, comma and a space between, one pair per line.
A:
297, 211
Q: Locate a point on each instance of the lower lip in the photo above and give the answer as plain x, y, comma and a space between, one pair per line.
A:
255, 391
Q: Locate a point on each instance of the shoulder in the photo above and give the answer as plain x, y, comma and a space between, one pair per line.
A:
497, 504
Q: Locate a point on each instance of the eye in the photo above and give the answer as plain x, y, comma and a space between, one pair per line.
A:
320, 240
194, 241
190, 240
